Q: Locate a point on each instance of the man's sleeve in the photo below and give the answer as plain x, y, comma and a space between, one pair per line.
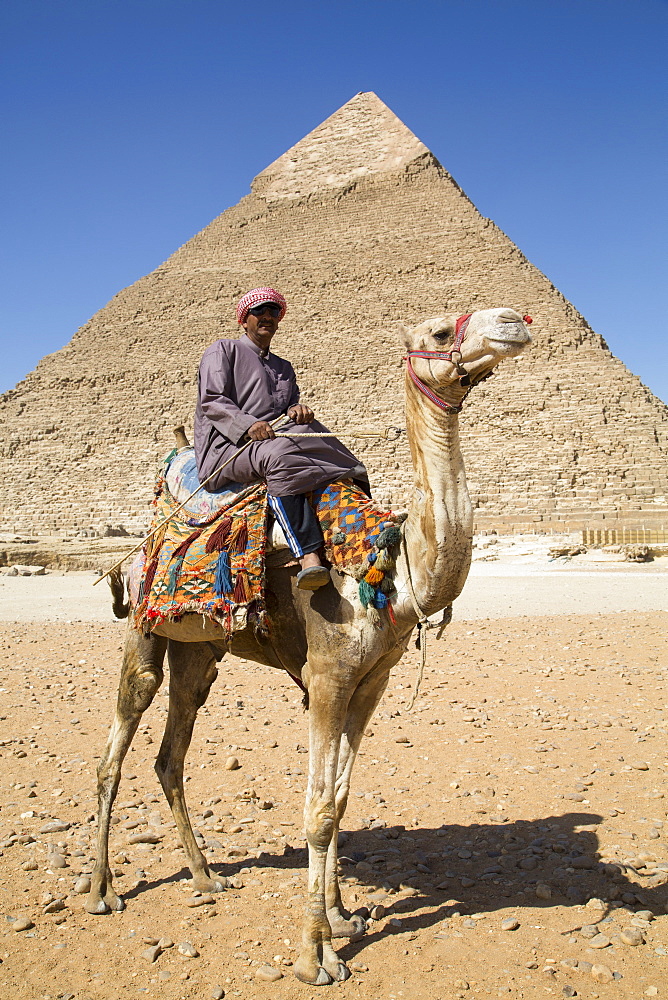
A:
295, 394
215, 383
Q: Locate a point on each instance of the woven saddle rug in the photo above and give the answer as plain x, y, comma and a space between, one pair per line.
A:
209, 559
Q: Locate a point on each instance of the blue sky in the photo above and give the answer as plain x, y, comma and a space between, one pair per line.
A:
128, 125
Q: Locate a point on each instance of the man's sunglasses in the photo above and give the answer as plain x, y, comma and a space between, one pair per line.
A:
270, 307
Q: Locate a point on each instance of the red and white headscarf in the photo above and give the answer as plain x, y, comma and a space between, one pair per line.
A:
256, 297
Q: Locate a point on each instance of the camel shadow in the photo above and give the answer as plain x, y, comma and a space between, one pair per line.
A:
293, 859
545, 862
423, 876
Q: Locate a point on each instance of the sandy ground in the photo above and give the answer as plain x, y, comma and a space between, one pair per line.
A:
513, 577
525, 791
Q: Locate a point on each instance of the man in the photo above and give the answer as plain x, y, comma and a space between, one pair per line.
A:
242, 388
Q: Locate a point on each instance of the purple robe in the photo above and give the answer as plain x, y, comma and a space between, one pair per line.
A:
238, 386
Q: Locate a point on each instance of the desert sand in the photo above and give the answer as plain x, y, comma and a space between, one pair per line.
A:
507, 836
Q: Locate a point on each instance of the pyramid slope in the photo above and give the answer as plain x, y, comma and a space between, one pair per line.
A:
564, 434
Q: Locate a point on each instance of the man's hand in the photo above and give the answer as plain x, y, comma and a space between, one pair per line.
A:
261, 431
301, 414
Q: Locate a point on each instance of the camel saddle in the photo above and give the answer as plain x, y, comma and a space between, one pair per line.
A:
202, 575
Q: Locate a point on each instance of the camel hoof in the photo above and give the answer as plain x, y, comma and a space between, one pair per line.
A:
353, 927
321, 977
340, 972
360, 932
96, 906
207, 884
101, 904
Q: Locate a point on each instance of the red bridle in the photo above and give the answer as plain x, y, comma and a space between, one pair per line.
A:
460, 332
464, 377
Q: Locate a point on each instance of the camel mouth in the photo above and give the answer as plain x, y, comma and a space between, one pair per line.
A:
510, 334
507, 348
517, 341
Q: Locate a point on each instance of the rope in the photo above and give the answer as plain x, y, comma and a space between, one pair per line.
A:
423, 626
389, 434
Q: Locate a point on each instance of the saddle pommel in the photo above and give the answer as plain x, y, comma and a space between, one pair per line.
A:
181, 439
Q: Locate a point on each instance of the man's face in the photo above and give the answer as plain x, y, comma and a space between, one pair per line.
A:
262, 323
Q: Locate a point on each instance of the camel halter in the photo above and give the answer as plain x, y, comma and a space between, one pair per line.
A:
464, 377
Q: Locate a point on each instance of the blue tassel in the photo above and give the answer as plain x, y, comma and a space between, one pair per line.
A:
366, 593
380, 600
371, 558
223, 581
173, 576
388, 537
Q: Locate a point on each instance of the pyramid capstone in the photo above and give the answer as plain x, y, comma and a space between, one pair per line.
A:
361, 139
363, 230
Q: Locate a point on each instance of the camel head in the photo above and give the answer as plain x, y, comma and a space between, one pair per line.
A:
449, 354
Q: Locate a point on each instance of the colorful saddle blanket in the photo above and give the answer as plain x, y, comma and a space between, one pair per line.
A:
182, 481
209, 559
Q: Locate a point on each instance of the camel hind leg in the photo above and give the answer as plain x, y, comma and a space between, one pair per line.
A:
141, 676
192, 671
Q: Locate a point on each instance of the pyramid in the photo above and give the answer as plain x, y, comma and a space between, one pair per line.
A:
362, 229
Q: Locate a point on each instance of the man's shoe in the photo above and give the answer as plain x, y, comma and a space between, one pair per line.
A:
313, 578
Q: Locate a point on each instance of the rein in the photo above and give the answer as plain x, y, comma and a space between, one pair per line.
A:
423, 625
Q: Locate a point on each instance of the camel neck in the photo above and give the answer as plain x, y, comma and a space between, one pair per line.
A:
439, 527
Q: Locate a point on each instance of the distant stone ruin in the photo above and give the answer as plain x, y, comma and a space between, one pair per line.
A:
362, 229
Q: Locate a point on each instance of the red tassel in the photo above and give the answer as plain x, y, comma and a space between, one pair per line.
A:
149, 576
240, 540
181, 549
241, 593
216, 540
390, 611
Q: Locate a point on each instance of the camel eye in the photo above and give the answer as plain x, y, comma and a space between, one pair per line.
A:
443, 337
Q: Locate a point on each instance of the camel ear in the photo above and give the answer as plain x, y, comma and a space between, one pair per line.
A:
404, 334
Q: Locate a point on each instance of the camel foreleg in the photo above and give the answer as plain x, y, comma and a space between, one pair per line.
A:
362, 706
318, 963
192, 671
141, 676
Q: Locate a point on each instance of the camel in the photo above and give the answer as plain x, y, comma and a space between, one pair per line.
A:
326, 639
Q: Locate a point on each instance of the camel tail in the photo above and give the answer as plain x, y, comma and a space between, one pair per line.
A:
117, 587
